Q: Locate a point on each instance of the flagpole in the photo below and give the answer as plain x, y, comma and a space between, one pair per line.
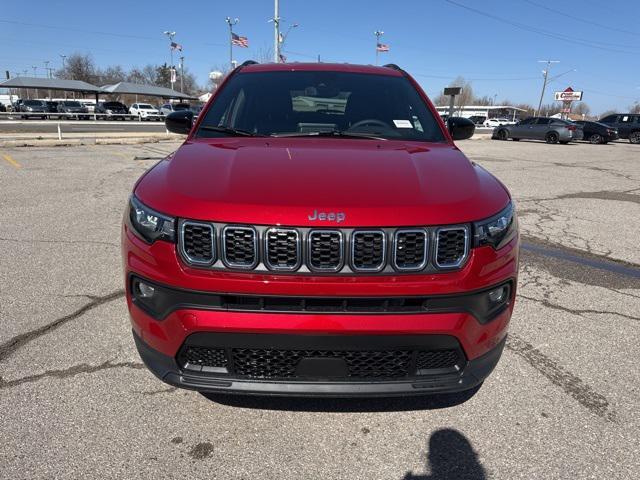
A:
231, 24
378, 34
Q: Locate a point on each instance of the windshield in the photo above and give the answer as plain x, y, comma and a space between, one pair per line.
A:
314, 103
71, 104
145, 106
33, 103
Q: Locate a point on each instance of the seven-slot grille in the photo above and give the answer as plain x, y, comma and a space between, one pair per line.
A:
368, 250
282, 249
240, 246
326, 252
198, 243
451, 246
410, 252
323, 250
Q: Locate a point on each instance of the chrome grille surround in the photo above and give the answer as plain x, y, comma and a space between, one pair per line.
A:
267, 251
460, 259
415, 267
225, 253
383, 254
311, 253
183, 248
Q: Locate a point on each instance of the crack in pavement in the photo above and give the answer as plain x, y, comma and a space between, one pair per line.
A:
572, 385
13, 344
575, 311
69, 372
69, 242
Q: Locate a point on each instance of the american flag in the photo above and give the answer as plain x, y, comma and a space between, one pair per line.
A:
382, 47
176, 46
239, 41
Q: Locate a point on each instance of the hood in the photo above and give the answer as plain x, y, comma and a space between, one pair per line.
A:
291, 181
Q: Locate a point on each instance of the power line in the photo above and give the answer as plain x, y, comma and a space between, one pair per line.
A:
546, 33
577, 19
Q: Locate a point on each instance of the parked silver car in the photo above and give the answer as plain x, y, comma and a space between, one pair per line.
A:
551, 130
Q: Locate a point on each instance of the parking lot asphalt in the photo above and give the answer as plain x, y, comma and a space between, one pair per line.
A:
76, 401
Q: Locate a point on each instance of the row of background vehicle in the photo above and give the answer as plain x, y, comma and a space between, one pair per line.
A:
84, 109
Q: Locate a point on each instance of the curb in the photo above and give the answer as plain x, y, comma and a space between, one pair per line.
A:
86, 141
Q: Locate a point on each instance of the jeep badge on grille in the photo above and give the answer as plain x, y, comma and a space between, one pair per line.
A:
327, 216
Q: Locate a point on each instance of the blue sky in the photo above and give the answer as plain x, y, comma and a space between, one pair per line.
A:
495, 43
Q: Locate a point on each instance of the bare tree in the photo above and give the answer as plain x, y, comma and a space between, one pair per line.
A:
78, 67
582, 108
635, 108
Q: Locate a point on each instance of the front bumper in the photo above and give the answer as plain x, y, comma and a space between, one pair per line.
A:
446, 380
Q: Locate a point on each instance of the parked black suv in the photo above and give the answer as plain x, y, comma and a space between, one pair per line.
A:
33, 107
627, 124
112, 110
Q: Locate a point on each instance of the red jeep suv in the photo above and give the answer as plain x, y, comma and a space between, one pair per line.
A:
319, 233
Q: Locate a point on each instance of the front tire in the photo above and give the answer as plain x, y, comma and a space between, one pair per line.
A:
634, 137
552, 137
595, 139
503, 135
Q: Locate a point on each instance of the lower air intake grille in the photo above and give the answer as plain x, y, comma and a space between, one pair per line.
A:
268, 363
368, 250
198, 243
325, 250
437, 359
191, 357
240, 247
451, 246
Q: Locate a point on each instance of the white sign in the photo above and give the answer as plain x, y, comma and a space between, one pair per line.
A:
568, 96
173, 75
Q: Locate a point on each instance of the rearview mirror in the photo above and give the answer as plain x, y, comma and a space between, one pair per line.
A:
179, 122
460, 128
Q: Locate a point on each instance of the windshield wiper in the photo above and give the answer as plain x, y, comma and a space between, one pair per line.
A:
229, 130
329, 133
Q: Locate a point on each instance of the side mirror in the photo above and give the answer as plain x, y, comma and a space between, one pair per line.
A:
460, 128
179, 122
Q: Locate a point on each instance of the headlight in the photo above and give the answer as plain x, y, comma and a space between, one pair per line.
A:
149, 224
109, 111
498, 230
29, 109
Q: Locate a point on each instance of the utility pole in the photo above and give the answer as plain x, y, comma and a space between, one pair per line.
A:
231, 23
544, 84
170, 35
378, 34
63, 57
181, 72
276, 32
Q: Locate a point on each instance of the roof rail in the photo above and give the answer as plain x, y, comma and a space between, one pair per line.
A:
394, 66
248, 62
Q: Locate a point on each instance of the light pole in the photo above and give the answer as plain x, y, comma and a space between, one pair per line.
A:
181, 72
283, 38
544, 84
63, 57
276, 31
231, 22
170, 35
378, 34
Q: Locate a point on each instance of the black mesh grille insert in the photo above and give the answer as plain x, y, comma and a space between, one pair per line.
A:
190, 357
240, 247
197, 242
368, 250
451, 247
437, 359
325, 250
271, 363
282, 250
410, 249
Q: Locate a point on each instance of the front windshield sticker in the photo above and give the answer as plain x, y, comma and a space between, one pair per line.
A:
403, 124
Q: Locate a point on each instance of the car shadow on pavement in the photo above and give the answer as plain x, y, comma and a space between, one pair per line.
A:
450, 457
344, 405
